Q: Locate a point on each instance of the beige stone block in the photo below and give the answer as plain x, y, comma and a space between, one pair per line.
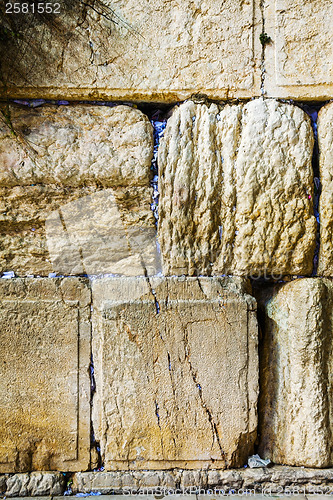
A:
88, 236
299, 59
296, 377
325, 139
176, 372
45, 389
236, 190
79, 201
76, 145
158, 51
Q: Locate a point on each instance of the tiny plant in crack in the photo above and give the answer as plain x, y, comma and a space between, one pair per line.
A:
264, 39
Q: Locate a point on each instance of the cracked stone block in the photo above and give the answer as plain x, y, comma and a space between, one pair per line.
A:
135, 50
296, 406
236, 190
325, 139
44, 368
75, 192
176, 371
299, 57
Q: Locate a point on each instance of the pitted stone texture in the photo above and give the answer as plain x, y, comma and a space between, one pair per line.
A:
325, 139
34, 484
299, 58
76, 146
50, 199
138, 50
296, 405
44, 362
176, 372
236, 190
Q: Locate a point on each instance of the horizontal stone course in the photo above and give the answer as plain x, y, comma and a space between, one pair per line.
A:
275, 480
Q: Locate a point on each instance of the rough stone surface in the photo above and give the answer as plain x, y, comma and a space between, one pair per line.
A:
299, 58
34, 484
111, 482
90, 168
76, 145
236, 190
159, 51
176, 372
274, 480
325, 139
296, 375
45, 389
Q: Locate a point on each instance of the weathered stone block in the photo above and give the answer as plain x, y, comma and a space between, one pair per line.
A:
325, 139
236, 190
176, 372
296, 375
44, 362
299, 58
281, 481
72, 169
159, 51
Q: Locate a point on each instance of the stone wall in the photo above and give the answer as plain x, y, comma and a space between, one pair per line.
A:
166, 221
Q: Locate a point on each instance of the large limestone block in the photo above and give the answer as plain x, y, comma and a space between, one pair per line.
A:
176, 372
135, 50
299, 59
236, 190
296, 405
75, 184
325, 139
44, 369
